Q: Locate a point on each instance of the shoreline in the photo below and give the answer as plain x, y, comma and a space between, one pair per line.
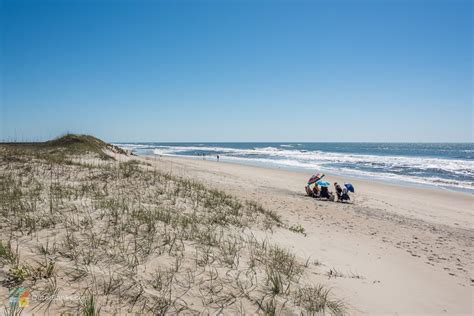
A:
384, 193
439, 166
381, 181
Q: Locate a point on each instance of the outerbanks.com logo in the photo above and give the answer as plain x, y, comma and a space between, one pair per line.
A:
20, 297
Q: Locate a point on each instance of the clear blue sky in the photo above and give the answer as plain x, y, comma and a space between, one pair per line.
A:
238, 70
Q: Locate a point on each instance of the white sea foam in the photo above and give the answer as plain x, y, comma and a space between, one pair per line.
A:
386, 175
453, 165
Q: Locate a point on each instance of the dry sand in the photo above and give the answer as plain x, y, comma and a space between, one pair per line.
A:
395, 250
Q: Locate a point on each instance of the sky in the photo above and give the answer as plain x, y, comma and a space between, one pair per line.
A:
217, 71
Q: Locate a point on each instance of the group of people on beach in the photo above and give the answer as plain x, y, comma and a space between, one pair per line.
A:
323, 192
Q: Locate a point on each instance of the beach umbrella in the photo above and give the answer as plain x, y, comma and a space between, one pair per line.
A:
315, 178
349, 187
323, 183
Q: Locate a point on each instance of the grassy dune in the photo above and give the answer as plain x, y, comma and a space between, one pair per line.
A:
87, 233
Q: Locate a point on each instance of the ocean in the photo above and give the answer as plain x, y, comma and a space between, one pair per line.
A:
448, 166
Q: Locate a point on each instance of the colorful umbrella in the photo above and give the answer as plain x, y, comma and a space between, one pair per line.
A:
315, 178
323, 183
349, 187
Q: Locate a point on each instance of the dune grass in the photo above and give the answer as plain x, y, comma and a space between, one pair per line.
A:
124, 237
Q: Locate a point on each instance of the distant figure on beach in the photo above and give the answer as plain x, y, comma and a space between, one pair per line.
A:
338, 191
217, 157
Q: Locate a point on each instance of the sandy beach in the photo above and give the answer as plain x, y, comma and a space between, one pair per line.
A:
395, 250
87, 228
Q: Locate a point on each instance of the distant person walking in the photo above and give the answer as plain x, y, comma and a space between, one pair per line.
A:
217, 157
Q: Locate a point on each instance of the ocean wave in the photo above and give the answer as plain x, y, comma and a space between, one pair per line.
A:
463, 167
352, 172
132, 146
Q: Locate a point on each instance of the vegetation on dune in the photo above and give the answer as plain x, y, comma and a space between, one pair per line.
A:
83, 144
67, 145
125, 237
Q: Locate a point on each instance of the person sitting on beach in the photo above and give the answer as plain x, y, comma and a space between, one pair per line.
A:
309, 192
316, 190
345, 195
338, 191
324, 193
